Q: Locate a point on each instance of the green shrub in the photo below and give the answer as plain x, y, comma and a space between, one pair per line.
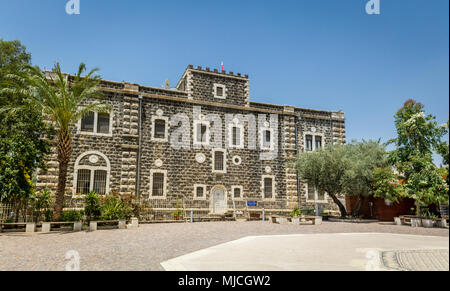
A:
308, 211
42, 205
296, 212
92, 206
72, 215
114, 208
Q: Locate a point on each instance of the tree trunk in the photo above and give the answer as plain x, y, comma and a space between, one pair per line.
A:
418, 210
357, 206
64, 153
340, 205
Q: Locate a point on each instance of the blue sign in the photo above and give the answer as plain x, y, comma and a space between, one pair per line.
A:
252, 203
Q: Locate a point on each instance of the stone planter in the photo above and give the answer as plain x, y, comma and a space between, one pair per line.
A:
416, 222
442, 223
93, 226
30, 227
427, 223
295, 220
46, 227
318, 220
302, 219
77, 226
397, 221
122, 224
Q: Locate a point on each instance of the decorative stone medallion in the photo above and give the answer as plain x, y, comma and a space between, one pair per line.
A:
93, 159
159, 112
158, 163
313, 129
268, 170
237, 160
200, 158
266, 124
201, 117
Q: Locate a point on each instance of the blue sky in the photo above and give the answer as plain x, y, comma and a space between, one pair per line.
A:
322, 54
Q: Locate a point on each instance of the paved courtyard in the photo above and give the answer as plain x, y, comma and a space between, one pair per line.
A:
150, 245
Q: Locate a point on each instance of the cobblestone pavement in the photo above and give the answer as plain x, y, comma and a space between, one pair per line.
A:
416, 260
149, 245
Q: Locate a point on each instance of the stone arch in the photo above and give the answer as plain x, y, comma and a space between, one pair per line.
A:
99, 162
218, 200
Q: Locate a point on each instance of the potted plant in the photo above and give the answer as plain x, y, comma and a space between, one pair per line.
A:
428, 219
295, 215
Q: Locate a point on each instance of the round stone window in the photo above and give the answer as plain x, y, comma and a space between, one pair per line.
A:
93, 159
158, 163
200, 158
237, 160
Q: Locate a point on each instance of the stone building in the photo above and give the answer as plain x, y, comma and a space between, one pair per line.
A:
204, 143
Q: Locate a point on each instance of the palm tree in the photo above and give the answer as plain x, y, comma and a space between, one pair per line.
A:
60, 98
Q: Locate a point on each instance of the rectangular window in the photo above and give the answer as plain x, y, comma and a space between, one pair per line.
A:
100, 182
160, 129
236, 136
237, 193
268, 188
311, 193
202, 133
84, 181
103, 123
318, 142
199, 192
87, 122
219, 91
158, 185
320, 195
218, 161
267, 138
309, 143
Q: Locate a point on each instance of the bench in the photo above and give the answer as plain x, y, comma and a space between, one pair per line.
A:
316, 220
29, 226
122, 224
406, 219
47, 226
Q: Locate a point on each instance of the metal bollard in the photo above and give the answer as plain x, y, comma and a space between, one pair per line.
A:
192, 216
263, 214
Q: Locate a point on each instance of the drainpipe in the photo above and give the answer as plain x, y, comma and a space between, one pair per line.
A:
138, 170
297, 151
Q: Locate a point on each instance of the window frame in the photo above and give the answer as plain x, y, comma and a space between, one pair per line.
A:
92, 173
208, 136
241, 136
95, 129
204, 192
213, 161
158, 171
241, 188
274, 194
262, 137
316, 196
224, 88
313, 135
166, 132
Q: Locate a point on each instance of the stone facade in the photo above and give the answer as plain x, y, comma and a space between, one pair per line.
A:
220, 100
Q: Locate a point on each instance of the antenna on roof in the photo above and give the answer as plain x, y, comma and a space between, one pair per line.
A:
167, 84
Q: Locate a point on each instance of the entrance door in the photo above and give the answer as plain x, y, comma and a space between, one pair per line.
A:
219, 203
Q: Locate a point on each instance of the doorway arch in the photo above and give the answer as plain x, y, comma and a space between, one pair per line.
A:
218, 200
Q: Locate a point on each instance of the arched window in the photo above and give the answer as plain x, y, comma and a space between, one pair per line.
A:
92, 173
